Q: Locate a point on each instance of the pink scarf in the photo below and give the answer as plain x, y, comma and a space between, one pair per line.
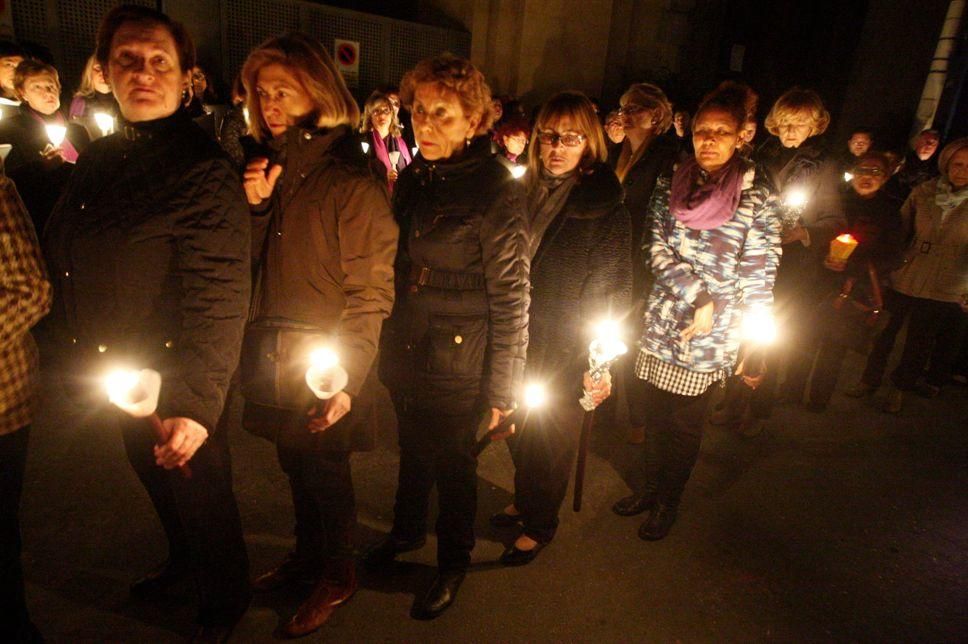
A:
70, 152
712, 204
380, 149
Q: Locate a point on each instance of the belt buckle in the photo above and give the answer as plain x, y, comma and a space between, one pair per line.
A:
424, 276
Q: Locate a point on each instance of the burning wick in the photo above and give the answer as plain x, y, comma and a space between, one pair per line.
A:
796, 198
325, 377
518, 171
105, 122
56, 134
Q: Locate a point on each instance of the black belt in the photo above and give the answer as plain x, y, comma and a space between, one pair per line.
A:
423, 276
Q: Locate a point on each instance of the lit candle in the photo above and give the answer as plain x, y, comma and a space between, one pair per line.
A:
796, 198
759, 327
56, 134
105, 122
535, 396
841, 248
325, 376
365, 146
415, 150
518, 171
394, 157
848, 177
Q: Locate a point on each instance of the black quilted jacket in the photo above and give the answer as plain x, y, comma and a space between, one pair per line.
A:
581, 274
149, 252
459, 342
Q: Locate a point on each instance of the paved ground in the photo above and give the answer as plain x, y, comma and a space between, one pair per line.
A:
851, 525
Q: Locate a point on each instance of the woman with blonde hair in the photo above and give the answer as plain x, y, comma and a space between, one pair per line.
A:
807, 183
639, 161
452, 354
93, 96
383, 139
581, 273
325, 239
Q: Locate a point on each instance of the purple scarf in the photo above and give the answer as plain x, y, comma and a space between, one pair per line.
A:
70, 152
710, 205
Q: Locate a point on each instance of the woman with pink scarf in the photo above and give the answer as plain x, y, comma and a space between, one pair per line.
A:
382, 138
714, 251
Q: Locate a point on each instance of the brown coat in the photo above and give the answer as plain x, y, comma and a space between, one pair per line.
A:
936, 262
331, 240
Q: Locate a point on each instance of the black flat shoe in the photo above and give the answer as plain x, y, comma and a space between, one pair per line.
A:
155, 584
504, 520
439, 597
514, 556
659, 523
634, 504
384, 552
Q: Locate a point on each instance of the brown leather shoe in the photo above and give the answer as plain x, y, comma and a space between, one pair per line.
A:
290, 571
336, 588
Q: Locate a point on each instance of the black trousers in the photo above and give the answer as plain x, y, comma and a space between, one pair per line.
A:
437, 449
200, 518
321, 481
934, 332
543, 452
673, 436
15, 624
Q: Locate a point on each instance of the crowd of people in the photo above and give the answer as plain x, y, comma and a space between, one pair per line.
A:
449, 245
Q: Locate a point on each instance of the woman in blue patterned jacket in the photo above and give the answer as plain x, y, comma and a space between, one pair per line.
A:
715, 248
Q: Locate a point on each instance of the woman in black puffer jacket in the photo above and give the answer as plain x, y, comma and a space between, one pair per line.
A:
454, 346
149, 247
581, 273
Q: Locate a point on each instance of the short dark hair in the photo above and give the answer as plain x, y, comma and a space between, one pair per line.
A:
129, 13
862, 130
736, 99
9, 48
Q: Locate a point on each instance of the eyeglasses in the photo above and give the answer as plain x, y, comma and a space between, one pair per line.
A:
631, 110
381, 111
568, 139
868, 172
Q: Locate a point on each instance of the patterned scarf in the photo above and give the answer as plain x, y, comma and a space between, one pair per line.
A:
947, 198
703, 201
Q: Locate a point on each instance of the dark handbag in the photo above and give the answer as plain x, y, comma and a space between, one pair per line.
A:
275, 356
851, 316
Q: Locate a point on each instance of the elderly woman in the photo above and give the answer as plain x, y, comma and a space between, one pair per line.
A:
454, 348
38, 167
383, 138
149, 248
581, 273
873, 219
931, 288
326, 264
511, 137
93, 96
715, 249
639, 161
807, 183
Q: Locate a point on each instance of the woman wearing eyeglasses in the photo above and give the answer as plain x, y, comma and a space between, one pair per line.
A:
581, 273
382, 137
452, 353
638, 161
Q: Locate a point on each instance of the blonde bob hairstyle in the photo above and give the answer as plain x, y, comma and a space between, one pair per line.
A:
652, 98
86, 88
457, 76
795, 104
307, 60
375, 100
580, 110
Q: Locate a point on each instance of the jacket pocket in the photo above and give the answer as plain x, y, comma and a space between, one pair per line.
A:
455, 344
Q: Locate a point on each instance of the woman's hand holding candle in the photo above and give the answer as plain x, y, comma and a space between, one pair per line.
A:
599, 390
185, 436
327, 413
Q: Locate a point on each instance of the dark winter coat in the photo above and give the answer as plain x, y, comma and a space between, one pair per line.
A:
40, 183
639, 184
330, 244
581, 273
458, 335
149, 252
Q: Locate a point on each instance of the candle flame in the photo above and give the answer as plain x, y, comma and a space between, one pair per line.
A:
56, 134
759, 326
519, 171
120, 384
846, 238
105, 122
365, 146
535, 395
796, 198
323, 358
848, 177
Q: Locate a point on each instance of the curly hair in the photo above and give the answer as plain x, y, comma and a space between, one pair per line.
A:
455, 75
798, 102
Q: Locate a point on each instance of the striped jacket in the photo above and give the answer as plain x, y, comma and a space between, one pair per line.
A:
24, 300
734, 265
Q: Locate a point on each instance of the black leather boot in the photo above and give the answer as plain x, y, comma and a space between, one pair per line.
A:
660, 521
383, 553
440, 596
635, 503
